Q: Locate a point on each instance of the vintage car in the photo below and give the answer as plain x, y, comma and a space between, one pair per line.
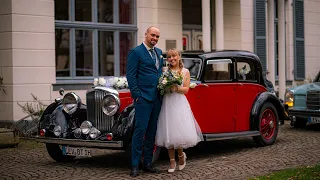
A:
304, 103
230, 100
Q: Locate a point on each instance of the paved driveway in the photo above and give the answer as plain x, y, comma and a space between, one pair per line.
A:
230, 159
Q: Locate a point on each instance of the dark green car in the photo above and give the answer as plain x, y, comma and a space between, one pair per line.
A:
304, 103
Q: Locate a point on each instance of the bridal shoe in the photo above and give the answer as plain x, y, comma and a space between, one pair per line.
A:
185, 161
175, 165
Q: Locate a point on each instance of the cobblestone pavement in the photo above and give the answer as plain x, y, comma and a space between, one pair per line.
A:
229, 159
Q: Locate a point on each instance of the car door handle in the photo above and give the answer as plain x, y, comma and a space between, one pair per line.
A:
203, 85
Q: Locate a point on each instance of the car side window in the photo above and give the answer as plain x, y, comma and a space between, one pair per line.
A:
246, 71
218, 70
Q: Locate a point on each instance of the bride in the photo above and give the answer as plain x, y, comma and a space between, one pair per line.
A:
177, 127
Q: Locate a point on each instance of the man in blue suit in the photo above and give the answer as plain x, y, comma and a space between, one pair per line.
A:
144, 67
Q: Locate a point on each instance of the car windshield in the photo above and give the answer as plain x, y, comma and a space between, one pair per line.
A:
193, 64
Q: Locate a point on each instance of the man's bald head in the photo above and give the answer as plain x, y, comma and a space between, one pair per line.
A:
152, 27
152, 36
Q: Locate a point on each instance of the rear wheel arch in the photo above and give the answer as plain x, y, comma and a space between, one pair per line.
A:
261, 99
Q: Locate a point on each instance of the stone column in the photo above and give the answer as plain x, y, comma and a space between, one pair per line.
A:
271, 42
27, 54
206, 26
282, 48
219, 25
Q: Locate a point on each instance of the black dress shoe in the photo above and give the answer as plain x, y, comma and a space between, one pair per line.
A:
150, 168
134, 171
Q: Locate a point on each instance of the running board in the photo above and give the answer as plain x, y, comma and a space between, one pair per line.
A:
223, 136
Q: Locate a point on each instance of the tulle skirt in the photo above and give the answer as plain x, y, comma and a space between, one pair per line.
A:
177, 127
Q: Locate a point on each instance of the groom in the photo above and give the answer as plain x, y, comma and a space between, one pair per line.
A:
144, 68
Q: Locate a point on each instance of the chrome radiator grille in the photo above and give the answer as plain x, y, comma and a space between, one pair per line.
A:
313, 99
94, 111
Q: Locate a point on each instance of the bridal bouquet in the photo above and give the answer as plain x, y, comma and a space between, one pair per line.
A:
167, 80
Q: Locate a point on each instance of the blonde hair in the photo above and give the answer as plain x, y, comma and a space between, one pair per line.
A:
175, 52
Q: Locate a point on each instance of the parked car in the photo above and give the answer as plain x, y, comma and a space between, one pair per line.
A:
229, 101
304, 103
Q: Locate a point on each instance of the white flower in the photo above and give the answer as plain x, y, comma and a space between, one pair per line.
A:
121, 83
193, 85
164, 81
161, 56
111, 82
95, 81
102, 82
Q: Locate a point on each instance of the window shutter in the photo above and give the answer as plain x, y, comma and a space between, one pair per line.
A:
298, 30
260, 31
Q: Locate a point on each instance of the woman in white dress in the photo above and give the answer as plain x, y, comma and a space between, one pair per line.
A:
177, 127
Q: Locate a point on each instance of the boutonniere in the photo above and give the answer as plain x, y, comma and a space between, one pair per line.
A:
161, 56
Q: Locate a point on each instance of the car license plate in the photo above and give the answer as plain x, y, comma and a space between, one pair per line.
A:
75, 151
314, 119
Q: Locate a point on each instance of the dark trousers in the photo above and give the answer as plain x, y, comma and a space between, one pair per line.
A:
146, 120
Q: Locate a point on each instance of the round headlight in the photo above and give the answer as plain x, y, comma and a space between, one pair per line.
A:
71, 102
110, 104
94, 132
85, 127
57, 131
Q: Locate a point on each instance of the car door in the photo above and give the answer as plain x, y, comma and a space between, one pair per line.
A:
247, 89
215, 98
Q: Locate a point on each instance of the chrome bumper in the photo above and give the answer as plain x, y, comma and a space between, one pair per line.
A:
304, 113
80, 143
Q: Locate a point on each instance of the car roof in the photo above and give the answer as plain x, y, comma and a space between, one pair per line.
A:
219, 54
223, 54
229, 53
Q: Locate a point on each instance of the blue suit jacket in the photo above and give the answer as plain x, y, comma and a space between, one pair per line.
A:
142, 73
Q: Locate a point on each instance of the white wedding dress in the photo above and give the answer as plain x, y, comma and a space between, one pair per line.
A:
177, 127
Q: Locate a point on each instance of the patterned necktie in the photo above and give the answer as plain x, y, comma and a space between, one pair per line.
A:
153, 55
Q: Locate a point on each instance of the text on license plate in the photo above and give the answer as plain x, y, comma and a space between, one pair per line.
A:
314, 119
75, 151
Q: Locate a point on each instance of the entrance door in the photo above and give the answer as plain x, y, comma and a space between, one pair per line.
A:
192, 40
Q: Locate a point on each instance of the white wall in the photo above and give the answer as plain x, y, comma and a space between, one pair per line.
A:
312, 37
166, 15
246, 22
27, 53
232, 24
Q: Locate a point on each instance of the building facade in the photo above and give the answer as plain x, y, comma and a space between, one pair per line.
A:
46, 45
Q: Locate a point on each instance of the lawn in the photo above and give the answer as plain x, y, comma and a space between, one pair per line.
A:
309, 172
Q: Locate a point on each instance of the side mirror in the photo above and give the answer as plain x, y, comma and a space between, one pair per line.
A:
61, 91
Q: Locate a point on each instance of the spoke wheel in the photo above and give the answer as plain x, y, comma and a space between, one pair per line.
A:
268, 125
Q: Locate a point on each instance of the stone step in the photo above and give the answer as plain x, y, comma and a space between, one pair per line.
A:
8, 138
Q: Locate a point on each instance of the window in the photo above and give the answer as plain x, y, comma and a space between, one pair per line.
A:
93, 38
218, 70
246, 71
